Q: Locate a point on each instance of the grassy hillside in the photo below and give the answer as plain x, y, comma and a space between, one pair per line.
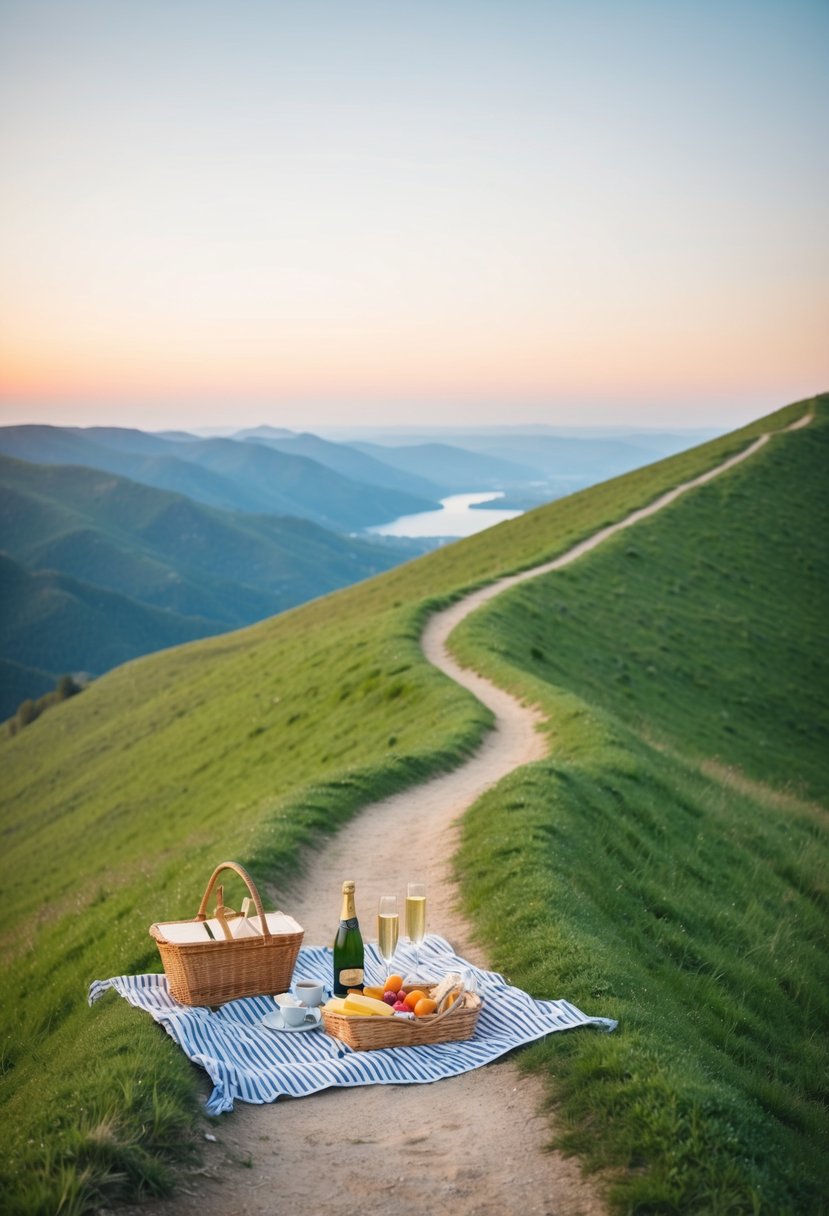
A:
669, 861
704, 628
117, 804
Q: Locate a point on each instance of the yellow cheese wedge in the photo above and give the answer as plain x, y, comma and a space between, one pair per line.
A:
367, 1005
336, 1004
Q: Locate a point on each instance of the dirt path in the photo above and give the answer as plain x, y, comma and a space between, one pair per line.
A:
474, 1145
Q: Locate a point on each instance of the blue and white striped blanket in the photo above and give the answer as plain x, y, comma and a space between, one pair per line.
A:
245, 1060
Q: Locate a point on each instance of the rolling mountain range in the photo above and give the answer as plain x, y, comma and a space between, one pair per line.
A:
454, 469
53, 622
345, 486
105, 569
559, 460
235, 476
351, 462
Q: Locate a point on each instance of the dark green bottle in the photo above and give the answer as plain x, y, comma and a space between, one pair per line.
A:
348, 947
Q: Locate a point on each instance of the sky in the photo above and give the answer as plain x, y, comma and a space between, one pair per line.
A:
467, 211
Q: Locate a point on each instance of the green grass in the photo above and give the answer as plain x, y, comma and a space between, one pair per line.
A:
668, 864
117, 805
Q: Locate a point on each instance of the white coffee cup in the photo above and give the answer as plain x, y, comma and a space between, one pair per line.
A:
309, 992
295, 1015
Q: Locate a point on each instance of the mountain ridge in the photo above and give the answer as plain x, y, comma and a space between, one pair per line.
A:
351, 462
250, 477
209, 570
41, 610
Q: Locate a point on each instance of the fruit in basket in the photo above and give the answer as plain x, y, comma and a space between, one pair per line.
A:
425, 1006
393, 984
390, 997
377, 993
400, 1007
414, 996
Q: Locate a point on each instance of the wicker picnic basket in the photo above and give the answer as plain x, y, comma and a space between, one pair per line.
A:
371, 1033
212, 972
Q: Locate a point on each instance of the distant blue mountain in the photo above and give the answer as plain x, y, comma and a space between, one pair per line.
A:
529, 463
350, 462
456, 470
239, 476
100, 568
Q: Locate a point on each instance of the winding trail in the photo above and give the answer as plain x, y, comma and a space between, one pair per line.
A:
474, 1145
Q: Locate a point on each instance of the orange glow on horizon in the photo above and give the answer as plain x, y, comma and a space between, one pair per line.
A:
448, 364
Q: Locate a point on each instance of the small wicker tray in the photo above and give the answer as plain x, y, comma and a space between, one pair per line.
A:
372, 1033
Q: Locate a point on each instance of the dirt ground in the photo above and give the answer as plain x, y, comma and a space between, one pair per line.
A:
470, 1145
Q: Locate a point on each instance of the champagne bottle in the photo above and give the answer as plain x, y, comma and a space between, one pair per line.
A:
348, 947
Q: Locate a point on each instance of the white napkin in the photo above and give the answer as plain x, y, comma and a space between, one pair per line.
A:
241, 926
185, 931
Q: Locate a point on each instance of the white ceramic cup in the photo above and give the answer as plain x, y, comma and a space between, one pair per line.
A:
294, 1015
309, 992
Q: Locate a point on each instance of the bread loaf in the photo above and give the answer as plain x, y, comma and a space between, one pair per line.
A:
446, 985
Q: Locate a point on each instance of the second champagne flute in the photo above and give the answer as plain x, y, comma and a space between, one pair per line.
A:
387, 929
416, 916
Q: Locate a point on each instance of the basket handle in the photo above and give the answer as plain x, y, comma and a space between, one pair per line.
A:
437, 1017
249, 883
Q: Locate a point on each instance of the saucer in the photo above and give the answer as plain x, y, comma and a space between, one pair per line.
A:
273, 1021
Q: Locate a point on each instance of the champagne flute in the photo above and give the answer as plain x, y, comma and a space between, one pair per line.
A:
388, 923
416, 916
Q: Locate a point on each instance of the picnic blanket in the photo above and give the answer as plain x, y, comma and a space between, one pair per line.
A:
245, 1060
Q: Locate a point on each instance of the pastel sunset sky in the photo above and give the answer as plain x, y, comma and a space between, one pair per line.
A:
451, 211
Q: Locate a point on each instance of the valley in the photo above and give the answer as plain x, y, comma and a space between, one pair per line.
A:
119, 542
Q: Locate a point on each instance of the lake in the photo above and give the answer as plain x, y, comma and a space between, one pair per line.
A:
455, 518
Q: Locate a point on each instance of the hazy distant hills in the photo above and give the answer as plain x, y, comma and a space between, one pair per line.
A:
562, 456
105, 568
351, 461
454, 469
538, 466
237, 476
345, 486
287, 484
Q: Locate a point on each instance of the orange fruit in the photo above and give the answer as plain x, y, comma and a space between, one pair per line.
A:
414, 996
393, 984
425, 1006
